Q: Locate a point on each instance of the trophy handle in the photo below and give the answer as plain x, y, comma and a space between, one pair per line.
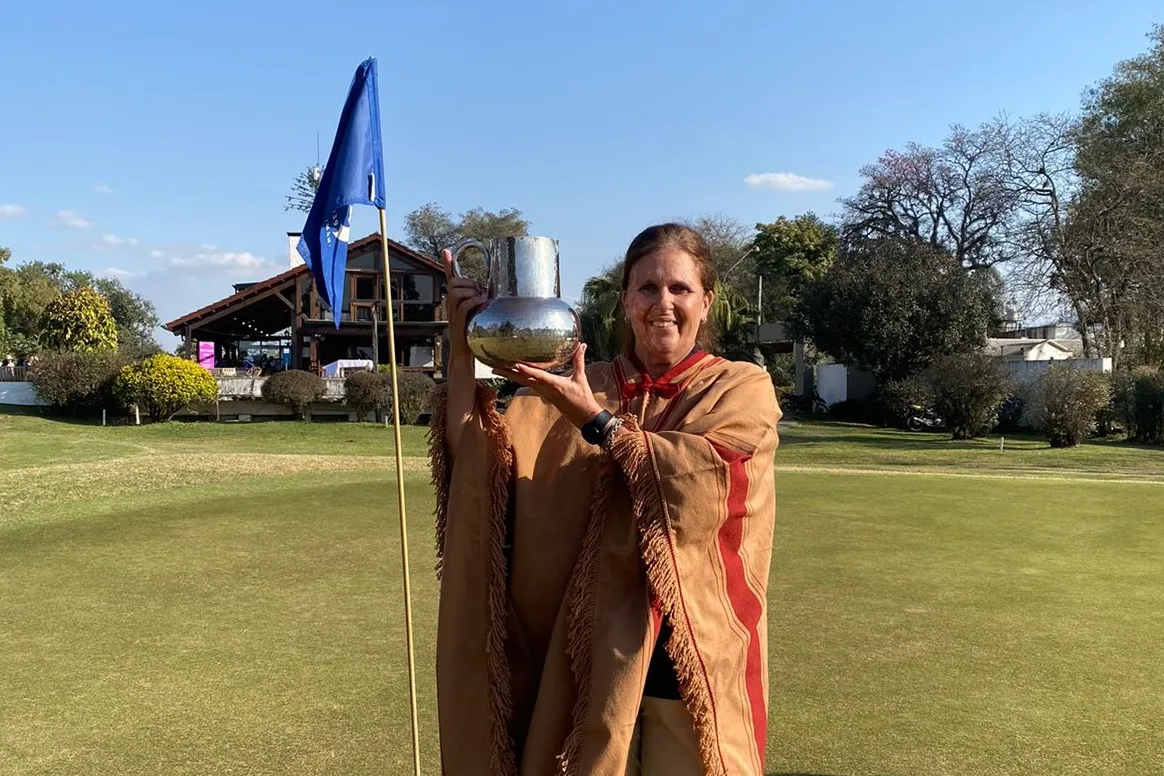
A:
461, 249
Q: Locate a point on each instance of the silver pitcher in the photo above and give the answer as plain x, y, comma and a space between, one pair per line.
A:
525, 320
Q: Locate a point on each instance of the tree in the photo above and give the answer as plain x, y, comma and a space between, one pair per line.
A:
5, 281
790, 253
1119, 211
728, 240
29, 288
78, 320
429, 229
953, 197
893, 305
303, 189
481, 224
607, 333
26, 290
732, 333
135, 316
600, 313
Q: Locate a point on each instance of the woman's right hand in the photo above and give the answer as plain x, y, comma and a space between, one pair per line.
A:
463, 297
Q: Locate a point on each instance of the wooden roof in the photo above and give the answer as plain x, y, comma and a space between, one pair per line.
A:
265, 288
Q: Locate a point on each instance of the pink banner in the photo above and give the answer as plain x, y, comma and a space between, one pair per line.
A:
206, 354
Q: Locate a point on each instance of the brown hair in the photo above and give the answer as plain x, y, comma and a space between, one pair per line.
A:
684, 238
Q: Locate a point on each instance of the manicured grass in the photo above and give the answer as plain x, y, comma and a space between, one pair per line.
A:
845, 445
201, 598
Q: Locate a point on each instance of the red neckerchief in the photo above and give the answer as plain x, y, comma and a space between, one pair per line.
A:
662, 386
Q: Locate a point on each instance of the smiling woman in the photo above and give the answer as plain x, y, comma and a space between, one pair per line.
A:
605, 545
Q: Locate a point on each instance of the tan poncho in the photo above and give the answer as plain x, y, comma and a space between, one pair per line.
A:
559, 562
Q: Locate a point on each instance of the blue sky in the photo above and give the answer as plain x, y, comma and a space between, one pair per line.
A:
158, 140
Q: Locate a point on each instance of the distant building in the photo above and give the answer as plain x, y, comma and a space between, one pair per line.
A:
284, 318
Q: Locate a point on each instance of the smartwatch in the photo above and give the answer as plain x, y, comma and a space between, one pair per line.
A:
592, 430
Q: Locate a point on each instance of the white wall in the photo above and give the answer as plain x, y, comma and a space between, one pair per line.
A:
1025, 371
21, 394
1046, 352
832, 383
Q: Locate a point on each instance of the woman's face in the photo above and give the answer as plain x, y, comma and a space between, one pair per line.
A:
665, 303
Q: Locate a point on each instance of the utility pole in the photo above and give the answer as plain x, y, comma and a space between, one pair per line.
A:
375, 337
760, 302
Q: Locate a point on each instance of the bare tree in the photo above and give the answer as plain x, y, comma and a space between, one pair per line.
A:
953, 197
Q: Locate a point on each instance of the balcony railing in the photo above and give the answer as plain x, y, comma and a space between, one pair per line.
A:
13, 374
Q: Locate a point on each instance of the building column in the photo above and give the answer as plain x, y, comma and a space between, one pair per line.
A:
799, 368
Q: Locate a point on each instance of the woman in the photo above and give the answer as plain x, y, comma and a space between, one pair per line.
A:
604, 546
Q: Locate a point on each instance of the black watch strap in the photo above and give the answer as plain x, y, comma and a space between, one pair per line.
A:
593, 428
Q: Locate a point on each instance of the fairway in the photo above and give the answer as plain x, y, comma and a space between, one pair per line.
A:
212, 598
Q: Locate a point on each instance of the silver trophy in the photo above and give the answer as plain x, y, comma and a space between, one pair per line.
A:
525, 320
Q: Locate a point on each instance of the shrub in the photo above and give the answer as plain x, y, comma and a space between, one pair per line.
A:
1065, 401
782, 367
367, 391
296, 388
968, 390
897, 398
1148, 407
1123, 400
78, 320
75, 381
1010, 414
163, 385
856, 411
415, 389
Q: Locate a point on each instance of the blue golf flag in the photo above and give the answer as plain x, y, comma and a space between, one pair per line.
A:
354, 175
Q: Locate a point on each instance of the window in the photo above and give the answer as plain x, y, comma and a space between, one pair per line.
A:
367, 287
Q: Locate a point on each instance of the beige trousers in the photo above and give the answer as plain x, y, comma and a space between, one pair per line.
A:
664, 742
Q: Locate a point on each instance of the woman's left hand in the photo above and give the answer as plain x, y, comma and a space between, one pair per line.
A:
571, 394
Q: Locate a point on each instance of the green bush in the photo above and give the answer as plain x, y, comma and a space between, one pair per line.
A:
1065, 401
1148, 407
1010, 414
897, 398
78, 320
367, 391
75, 381
297, 388
968, 390
164, 385
415, 389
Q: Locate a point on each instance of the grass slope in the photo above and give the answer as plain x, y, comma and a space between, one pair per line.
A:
201, 598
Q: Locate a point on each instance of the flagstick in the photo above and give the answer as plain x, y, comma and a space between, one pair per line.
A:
400, 492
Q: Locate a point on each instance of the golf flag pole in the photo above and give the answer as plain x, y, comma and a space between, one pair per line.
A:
354, 175
400, 491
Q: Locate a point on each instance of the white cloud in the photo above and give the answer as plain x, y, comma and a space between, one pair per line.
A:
206, 247
110, 239
230, 260
71, 219
157, 254
11, 211
121, 273
786, 181
102, 188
